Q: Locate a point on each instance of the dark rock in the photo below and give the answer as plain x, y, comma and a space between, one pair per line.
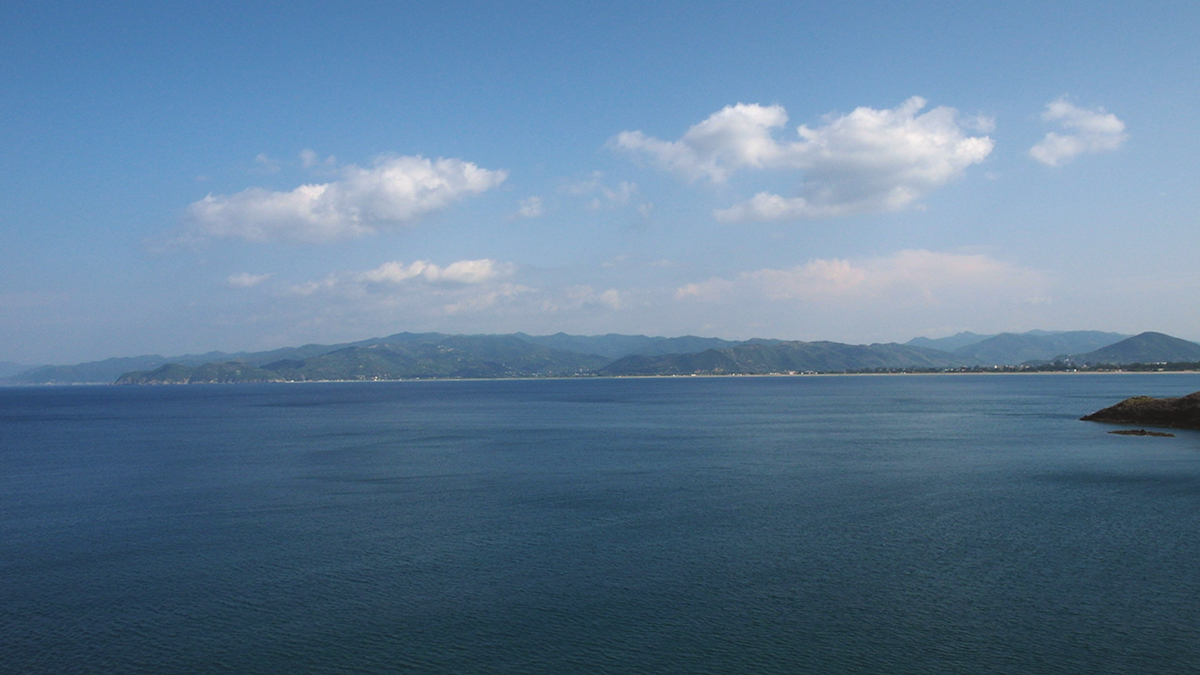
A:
1141, 432
1179, 413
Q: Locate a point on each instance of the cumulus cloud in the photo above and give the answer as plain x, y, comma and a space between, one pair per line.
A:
909, 277
1090, 131
461, 272
611, 299
246, 280
735, 137
766, 206
417, 289
393, 192
456, 274
866, 161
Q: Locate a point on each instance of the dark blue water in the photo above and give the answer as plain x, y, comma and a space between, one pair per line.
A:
944, 524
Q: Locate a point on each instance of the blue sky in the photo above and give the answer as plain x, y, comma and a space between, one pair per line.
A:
232, 176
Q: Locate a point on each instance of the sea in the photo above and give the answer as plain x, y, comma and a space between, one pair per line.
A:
807, 524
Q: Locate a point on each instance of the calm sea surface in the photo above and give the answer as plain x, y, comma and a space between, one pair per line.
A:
911, 524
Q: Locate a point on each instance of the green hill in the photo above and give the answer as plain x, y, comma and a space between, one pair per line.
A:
108, 370
92, 372
615, 346
1147, 347
427, 356
947, 344
178, 373
1015, 348
611, 345
784, 357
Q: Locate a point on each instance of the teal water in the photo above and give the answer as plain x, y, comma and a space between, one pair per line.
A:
912, 524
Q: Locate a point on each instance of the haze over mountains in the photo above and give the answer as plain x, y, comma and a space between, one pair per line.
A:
436, 355
1074, 347
1010, 349
786, 357
1143, 348
8, 369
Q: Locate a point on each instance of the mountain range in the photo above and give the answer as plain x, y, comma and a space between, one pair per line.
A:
1011, 349
1143, 348
436, 355
786, 357
1071, 347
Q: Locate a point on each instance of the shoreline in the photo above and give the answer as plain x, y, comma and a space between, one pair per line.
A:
621, 377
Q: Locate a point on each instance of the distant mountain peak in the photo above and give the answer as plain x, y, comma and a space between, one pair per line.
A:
1147, 347
1012, 349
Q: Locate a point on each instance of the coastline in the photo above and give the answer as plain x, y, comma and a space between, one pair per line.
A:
989, 373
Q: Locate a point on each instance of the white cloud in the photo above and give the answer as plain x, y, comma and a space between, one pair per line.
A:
311, 287
894, 296
417, 291
246, 280
603, 195
393, 192
618, 196
583, 297
392, 274
766, 206
461, 272
1091, 131
866, 161
611, 299
737, 136
480, 301
530, 207
909, 277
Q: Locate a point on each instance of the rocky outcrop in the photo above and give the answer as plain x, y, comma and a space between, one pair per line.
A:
1179, 413
1141, 432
